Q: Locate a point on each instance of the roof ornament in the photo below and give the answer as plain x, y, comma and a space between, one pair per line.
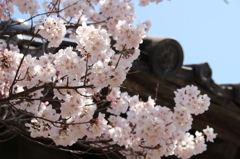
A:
165, 55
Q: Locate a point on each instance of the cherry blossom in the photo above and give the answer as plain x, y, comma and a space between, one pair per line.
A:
53, 29
209, 132
27, 6
74, 94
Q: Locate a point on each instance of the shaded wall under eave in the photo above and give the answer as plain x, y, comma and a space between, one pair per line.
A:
159, 71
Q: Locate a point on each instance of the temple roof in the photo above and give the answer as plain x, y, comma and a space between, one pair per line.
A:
159, 71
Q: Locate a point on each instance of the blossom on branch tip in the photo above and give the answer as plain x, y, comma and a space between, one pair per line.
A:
209, 132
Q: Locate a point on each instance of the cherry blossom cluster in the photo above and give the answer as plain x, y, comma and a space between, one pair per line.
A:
52, 29
24, 6
6, 9
132, 34
51, 7
75, 7
9, 62
156, 131
63, 69
189, 98
27, 6
111, 10
114, 11
74, 94
146, 2
148, 129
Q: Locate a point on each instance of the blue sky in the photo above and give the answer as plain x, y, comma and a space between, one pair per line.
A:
208, 31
